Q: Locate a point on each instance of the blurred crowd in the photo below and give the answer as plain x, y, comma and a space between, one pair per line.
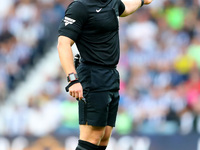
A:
159, 68
26, 27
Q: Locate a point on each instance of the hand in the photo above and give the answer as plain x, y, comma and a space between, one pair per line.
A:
146, 2
76, 90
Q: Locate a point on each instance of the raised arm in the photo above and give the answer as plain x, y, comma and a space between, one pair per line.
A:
132, 5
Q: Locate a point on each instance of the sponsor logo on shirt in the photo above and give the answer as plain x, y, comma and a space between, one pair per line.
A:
68, 20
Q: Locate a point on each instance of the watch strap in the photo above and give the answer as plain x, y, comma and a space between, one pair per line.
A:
70, 84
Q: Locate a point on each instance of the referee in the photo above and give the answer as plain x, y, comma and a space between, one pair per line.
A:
93, 25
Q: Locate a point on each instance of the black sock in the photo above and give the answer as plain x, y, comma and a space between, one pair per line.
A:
102, 147
84, 145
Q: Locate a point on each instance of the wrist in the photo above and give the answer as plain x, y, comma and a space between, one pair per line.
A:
142, 3
70, 84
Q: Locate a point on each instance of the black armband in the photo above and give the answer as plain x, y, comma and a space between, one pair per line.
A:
70, 84
142, 3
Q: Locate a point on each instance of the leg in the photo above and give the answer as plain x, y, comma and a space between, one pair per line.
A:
91, 134
92, 119
113, 107
108, 131
94, 116
95, 136
90, 137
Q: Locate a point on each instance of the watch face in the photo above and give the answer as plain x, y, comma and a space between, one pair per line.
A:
72, 77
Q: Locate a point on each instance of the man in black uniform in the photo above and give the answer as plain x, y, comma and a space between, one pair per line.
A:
93, 26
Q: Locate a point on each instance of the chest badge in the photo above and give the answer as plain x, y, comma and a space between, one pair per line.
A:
98, 10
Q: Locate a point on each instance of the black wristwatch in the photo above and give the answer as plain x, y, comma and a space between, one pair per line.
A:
72, 77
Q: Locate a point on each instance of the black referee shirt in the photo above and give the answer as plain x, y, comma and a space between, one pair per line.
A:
93, 26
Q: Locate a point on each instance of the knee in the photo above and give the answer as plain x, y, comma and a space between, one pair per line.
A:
105, 137
92, 135
97, 138
104, 141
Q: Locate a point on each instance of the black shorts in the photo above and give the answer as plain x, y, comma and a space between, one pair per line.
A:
100, 89
100, 108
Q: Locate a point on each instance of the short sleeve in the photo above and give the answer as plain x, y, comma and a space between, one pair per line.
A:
121, 7
72, 24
